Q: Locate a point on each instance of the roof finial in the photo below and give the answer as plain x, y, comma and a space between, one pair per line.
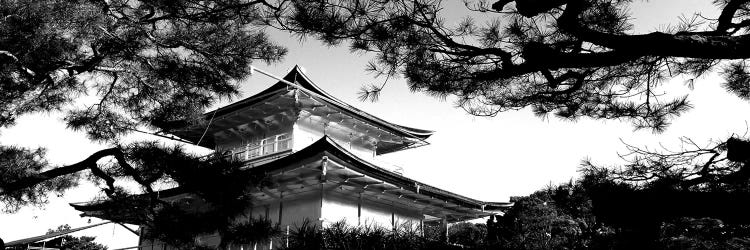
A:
301, 69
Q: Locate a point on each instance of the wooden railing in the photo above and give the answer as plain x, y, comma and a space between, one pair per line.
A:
267, 146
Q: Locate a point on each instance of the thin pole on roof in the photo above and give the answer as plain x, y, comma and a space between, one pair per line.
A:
255, 69
157, 134
207, 126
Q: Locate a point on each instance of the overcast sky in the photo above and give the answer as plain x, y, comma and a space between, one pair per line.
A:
491, 159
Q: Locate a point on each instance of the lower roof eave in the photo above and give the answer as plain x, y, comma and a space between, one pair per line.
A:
329, 150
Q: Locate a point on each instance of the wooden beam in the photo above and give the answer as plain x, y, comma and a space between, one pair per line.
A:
259, 124
236, 133
296, 178
269, 193
352, 177
335, 164
300, 181
373, 183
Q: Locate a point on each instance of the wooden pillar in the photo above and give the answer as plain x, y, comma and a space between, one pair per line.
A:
322, 196
359, 210
445, 228
281, 206
421, 226
323, 173
393, 221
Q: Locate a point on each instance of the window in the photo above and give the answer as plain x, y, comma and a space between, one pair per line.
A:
253, 150
239, 155
266, 146
269, 145
283, 142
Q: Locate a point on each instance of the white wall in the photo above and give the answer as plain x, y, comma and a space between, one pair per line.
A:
294, 211
334, 208
337, 207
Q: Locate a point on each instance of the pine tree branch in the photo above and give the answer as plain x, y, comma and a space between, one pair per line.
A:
88, 163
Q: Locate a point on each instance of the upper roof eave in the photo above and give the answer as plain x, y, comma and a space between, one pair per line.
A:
296, 75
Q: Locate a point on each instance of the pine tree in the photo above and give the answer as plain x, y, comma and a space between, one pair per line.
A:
570, 58
145, 65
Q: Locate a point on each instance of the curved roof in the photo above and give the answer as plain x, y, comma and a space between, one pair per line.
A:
297, 76
326, 146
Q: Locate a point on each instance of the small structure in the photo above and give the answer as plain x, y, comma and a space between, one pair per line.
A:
50, 241
319, 153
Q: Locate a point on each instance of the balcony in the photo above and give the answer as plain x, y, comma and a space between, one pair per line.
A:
269, 146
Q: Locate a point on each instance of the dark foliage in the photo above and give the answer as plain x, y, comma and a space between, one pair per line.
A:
467, 234
140, 64
670, 182
570, 58
560, 217
219, 192
17, 163
704, 233
80, 243
605, 211
339, 235
719, 166
68, 242
146, 64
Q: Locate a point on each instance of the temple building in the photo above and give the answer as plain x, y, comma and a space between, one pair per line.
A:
321, 156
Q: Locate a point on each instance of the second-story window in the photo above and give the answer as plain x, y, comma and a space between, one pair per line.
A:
253, 150
238, 153
269, 145
265, 146
276, 143
283, 142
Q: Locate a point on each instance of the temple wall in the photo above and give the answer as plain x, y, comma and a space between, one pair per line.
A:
338, 207
294, 210
334, 207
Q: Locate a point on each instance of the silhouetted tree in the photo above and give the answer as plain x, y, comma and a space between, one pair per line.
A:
145, 63
467, 234
661, 207
715, 166
553, 218
573, 58
141, 66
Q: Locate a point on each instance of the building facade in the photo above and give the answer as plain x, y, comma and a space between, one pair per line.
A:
320, 154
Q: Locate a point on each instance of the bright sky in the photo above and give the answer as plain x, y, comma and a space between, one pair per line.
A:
512, 154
